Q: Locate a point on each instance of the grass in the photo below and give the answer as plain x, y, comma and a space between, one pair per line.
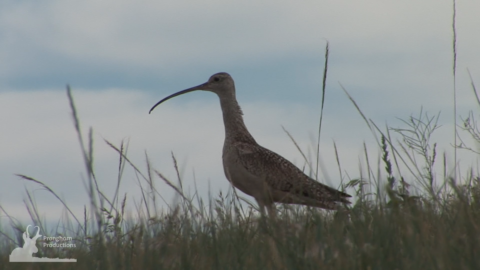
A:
404, 215
387, 227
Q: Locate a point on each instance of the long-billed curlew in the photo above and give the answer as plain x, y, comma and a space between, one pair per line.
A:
255, 170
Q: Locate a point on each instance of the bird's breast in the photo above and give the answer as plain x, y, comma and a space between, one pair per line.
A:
238, 175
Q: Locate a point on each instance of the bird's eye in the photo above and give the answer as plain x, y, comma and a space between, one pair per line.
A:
216, 79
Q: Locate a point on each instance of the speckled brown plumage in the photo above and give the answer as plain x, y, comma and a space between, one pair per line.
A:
281, 175
255, 170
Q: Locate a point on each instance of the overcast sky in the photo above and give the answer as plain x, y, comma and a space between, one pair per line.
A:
121, 57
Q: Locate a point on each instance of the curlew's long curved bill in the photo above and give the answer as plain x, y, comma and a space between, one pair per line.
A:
198, 87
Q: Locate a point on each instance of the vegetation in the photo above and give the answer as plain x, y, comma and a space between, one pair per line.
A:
386, 228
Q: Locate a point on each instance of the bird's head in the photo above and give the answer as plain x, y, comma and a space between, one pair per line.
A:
220, 83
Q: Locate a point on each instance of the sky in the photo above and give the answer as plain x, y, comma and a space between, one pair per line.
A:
121, 57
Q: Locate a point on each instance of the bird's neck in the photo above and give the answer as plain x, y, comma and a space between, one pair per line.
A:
235, 128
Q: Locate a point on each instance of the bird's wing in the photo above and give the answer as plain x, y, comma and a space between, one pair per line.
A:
280, 174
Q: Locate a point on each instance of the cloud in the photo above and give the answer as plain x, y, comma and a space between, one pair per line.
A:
127, 39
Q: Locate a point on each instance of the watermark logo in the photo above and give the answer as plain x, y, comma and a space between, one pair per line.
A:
25, 253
